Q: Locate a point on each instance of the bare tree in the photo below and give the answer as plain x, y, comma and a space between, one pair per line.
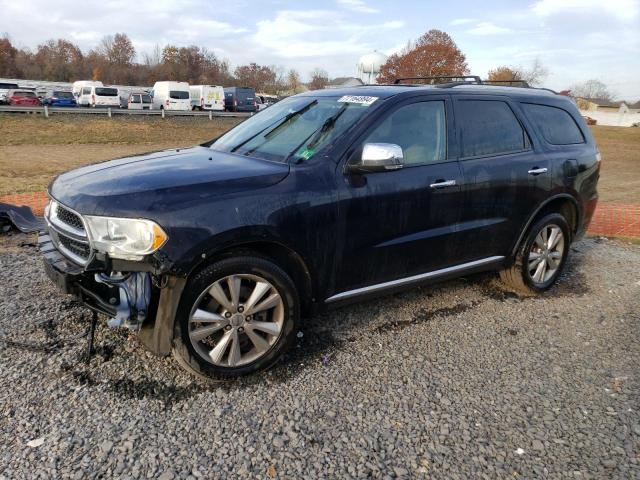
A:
319, 79
591, 89
293, 81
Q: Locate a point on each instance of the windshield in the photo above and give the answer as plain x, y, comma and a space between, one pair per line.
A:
107, 92
295, 128
179, 94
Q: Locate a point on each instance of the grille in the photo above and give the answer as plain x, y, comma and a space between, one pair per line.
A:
80, 249
70, 218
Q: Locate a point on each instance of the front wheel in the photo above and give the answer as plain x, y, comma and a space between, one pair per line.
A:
542, 256
237, 316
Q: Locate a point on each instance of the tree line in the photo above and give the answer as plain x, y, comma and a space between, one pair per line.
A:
113, 61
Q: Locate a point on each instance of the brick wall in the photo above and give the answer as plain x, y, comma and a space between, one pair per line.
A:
611, 219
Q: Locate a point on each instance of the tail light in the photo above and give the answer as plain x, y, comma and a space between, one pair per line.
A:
167, 102
255, 104
93, 99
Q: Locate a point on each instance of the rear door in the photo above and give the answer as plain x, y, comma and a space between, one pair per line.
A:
505, 175
403, 222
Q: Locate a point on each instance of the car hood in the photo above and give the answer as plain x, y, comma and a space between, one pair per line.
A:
170, 179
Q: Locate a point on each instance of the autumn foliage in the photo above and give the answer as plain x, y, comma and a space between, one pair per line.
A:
433, 54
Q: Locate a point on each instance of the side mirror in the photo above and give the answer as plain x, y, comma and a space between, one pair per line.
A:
378, 157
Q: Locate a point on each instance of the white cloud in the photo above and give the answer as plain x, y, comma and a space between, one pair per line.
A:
488, 28
624, 10
357, 6
462, 21
316, 33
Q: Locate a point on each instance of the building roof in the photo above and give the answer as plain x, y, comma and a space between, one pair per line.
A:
345, 82
602, 102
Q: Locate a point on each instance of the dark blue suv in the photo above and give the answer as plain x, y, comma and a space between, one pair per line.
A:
215, 252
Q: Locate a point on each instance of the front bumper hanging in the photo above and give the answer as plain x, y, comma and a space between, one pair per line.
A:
123, 297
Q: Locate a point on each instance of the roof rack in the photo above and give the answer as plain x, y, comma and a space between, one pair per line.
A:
510, 83
458, 79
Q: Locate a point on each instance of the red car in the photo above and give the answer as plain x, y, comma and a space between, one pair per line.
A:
23, 98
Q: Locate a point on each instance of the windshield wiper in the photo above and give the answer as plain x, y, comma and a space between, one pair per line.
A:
279, 124
315, 137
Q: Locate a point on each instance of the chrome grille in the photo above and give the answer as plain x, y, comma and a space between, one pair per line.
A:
67, 233
80, 249
70, 218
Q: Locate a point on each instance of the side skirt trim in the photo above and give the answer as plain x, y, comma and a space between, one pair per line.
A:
414, 279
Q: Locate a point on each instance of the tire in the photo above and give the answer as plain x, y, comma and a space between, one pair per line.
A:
527, 275
227, 334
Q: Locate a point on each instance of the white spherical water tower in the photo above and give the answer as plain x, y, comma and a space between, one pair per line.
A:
369, 66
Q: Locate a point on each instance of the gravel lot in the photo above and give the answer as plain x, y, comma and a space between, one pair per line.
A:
456, 381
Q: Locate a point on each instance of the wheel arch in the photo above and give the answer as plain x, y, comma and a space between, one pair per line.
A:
283, 255
564, 204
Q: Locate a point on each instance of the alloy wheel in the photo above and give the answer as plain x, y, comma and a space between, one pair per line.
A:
236, 320
546, 254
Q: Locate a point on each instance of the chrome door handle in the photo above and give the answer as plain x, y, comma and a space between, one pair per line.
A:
448, 183
537, 171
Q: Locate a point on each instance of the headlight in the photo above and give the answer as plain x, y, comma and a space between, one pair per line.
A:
126, 238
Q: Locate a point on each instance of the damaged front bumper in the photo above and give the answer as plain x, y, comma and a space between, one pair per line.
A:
129, 294
124, 297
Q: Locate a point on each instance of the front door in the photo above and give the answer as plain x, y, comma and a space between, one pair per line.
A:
403, 222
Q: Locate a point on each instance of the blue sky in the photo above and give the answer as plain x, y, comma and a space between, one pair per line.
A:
575, 39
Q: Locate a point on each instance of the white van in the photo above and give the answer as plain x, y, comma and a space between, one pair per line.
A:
171, 96
207, 97
77, 86
98, 96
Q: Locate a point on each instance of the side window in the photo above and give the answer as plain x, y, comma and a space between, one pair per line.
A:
489, 127
556, 125
419, 128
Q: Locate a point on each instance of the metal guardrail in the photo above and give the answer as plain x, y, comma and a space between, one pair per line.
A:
46, 111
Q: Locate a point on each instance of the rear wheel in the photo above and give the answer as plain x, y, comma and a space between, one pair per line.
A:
236, 316
541, 257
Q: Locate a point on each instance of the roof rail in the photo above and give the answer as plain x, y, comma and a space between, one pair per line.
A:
459, 79
510, 83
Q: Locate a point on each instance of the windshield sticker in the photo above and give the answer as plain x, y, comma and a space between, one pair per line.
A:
361, 99
307, 153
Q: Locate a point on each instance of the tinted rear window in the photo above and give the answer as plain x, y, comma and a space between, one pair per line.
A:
63, 94
24, 94
107, 92
556, 125
489, 127
179, 95
146, 99
8, 86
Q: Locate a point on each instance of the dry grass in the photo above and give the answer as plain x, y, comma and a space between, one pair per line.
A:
83, 129
620, 174
34, 149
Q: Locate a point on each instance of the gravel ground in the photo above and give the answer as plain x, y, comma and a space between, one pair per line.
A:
456, 381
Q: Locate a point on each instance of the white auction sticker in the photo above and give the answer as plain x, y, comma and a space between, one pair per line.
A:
364, 100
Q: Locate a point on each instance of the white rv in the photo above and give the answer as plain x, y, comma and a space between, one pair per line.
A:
171, 96
207, 97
